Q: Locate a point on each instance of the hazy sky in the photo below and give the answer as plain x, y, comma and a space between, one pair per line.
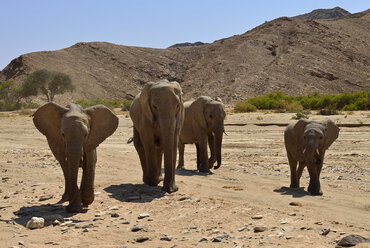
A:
39, 25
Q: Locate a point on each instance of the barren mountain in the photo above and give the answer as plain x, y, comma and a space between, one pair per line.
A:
325, 14
292, 55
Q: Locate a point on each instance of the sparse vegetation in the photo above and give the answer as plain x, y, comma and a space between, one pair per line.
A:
10, 98
300, 115
49, 83
282, 103
126, 105
244, 106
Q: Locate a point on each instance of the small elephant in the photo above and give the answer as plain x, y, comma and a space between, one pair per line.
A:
306, 143
158, 115
73, 133
204, 123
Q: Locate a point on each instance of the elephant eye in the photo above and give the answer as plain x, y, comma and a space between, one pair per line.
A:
63, 135
155, 107
321, 137
210, 116
304, 137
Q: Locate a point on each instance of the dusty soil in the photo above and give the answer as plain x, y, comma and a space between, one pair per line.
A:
252, 180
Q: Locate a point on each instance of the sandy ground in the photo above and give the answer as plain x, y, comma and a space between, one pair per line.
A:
252, 180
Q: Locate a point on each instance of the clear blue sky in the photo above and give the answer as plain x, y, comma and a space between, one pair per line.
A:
39, 25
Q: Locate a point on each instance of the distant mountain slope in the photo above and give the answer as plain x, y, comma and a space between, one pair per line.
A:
325, 14
187, 44
292, 55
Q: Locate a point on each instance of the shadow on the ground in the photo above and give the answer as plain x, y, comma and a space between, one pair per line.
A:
186, 172
134, 192
24, 214
295, 192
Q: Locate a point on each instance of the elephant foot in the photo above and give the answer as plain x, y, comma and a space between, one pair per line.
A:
294, 186
151, 181
73, 208
170, 189
314, 191
65, 197
87, 200
211, 162
180, 166
204, 170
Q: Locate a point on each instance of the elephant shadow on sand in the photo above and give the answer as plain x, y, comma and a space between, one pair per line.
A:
195, 172
139, 193
294, 192
24, 214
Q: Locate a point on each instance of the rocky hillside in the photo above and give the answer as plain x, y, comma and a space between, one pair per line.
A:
292, 55
187, 44
325, 14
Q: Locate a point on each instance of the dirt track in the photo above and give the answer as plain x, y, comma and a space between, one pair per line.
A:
253, 179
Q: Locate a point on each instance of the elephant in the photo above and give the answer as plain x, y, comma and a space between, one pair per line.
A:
73, 133
306, 142
204, 123
157, 113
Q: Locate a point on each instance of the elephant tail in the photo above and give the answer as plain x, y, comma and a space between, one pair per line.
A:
130, 140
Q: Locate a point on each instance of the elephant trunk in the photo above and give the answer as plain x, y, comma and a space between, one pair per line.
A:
73, 154
218, 144
169, 141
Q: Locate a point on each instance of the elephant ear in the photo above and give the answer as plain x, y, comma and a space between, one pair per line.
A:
103, 123
181, 114
331, 132
298, 130
47, 120
145, 102
198, 109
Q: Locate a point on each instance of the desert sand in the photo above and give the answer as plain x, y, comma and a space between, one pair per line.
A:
249, 190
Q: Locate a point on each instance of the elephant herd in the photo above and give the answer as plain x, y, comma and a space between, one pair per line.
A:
163, 123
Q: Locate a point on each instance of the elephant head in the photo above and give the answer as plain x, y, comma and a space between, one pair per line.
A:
307, 141
211, 118
157, 113
73, 133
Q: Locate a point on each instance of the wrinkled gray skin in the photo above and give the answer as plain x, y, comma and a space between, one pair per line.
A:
73, 133
158, 115
306, 143
204, 123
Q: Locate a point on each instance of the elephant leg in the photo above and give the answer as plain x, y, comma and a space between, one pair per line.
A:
293, 171
169, 184
140, 150
314, 186
198, 156
211, 144
159, 155
204, 166
75, 196
299, 171
65, 196
88, 176
150, 168
181, 147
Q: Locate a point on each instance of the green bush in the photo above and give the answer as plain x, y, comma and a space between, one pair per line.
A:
282, 103
16, 106
290, 106
109, 103
244, 106
300, 115
126, 105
